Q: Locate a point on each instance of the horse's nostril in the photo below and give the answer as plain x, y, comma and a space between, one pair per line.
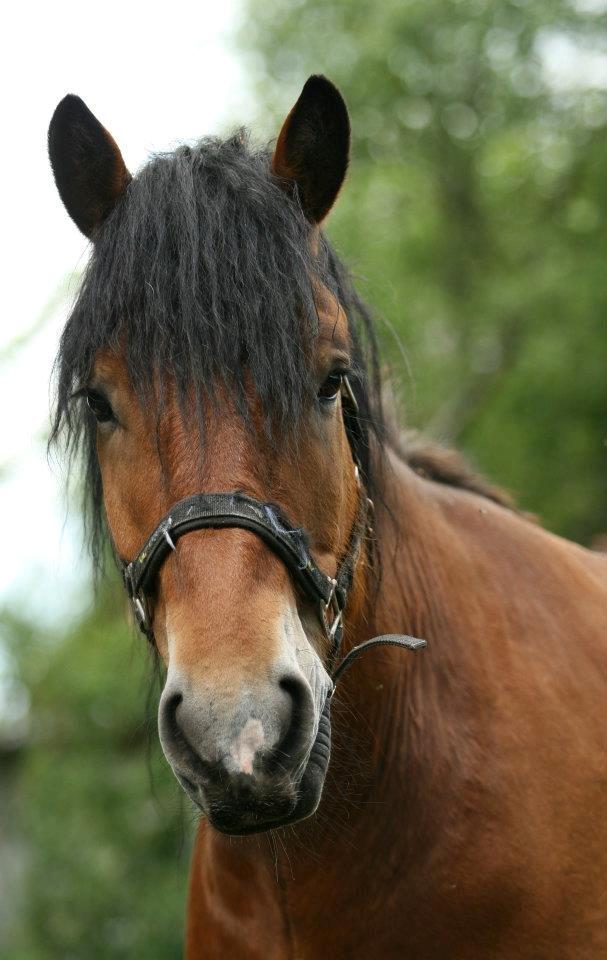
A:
169, 708
174, 738
187, 783
296, 690
296, 729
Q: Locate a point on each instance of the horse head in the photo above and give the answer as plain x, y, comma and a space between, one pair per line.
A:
210, 345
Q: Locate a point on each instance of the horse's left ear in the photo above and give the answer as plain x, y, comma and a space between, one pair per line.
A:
313, 147
89, 170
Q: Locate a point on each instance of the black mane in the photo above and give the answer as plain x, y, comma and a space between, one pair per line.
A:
204, 268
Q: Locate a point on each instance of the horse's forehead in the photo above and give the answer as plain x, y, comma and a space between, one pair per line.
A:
333, 331
332, 319
110, 366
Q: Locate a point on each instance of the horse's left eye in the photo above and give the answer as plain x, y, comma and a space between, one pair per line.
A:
100, 405
330, 388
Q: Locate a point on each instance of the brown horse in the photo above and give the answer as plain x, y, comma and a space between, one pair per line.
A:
221, 351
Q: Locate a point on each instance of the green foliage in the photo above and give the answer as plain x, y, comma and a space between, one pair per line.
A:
475, 208
103, 828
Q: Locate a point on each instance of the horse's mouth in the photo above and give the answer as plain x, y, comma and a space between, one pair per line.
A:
241, 810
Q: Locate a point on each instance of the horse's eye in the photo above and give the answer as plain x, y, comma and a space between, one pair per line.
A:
330, 388
100, 405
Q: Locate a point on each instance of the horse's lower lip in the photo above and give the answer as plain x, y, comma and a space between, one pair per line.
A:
237, 822
250, 812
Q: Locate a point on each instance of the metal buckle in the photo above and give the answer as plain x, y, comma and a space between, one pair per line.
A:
140, 613
334, 606
165, 530
137, 601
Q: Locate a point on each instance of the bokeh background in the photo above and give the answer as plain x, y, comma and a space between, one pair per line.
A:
474, 221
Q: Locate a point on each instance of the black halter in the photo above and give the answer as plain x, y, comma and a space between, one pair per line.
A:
216, 510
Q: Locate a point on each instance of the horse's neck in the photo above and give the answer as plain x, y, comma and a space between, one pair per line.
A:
391, 718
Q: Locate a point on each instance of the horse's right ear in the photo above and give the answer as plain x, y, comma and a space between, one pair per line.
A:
88, 167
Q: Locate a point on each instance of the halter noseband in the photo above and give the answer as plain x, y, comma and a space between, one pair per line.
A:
218, 510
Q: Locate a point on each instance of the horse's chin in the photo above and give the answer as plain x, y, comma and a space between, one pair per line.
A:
238, 819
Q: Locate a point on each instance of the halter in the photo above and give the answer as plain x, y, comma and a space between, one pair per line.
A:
328, 594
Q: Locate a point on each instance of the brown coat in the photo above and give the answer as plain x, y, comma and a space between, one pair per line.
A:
465, 812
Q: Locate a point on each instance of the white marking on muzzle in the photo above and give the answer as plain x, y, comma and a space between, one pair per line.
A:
243, 749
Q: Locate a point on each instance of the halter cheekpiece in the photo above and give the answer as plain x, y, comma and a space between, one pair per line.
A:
329, 595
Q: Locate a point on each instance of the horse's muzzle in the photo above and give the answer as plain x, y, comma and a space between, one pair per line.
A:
251, 765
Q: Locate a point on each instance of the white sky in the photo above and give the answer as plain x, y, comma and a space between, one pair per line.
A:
155, 74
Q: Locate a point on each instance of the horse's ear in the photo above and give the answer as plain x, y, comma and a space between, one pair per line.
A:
88, 167
313, 147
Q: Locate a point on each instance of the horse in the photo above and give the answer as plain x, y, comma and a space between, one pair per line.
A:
219, 376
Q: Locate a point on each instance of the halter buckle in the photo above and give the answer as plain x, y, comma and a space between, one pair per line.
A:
137, 601
334, 607
140, 614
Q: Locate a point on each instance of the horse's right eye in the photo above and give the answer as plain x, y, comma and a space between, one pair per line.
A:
100, 405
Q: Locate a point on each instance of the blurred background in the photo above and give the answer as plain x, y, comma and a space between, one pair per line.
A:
474, 221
